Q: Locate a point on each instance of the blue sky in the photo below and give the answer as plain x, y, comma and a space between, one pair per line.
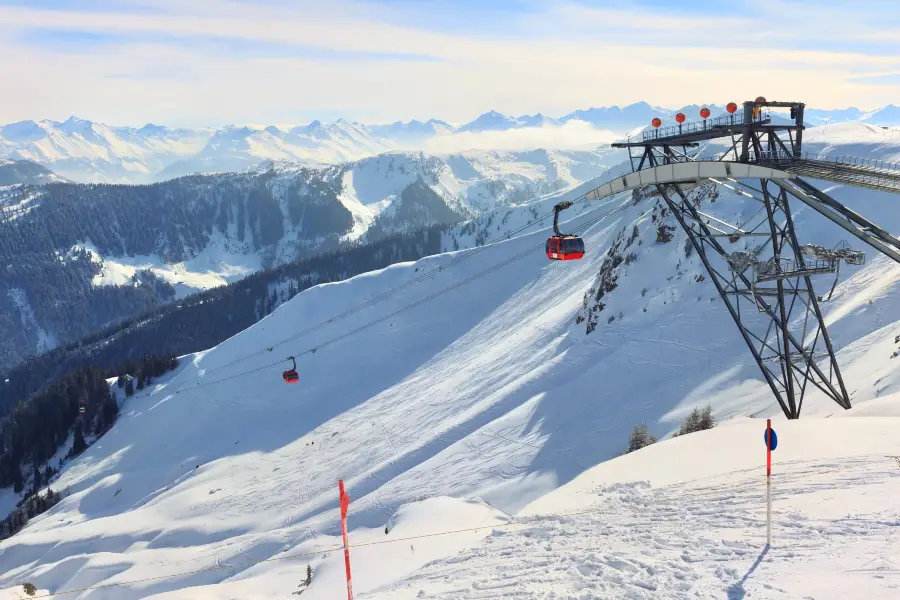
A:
211, 62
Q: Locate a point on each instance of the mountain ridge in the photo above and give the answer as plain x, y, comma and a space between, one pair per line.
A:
126, 249
87, 151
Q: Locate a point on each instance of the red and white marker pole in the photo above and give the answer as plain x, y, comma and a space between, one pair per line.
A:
345, 504
768, 483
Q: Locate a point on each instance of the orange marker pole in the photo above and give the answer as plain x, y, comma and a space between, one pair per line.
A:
345, 504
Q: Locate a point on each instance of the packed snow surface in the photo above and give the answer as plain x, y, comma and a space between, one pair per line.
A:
686, 518
482, 408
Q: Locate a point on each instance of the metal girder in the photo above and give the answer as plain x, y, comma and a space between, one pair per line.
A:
786, 358
851, 221
684, 172
788, 363
785, 331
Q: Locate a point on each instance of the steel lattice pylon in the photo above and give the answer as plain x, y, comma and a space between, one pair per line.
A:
789, 357
768, 291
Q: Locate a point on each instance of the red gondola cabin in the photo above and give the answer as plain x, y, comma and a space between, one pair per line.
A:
563, 246
290, 376
566, 247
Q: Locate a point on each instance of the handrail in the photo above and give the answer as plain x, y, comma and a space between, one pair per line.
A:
700, 126
838, 159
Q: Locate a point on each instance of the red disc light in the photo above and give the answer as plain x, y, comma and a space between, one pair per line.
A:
656, 122
680, 118
732, 107
704, 112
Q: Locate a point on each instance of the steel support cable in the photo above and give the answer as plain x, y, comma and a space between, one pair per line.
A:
536, 520
391, 292
403, 309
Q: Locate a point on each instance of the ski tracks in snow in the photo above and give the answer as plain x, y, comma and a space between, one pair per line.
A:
690, 540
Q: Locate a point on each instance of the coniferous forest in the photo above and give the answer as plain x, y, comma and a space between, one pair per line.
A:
132, 333
53, 235
203, 320
40, 398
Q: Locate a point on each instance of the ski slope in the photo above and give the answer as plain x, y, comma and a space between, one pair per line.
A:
482, 403
675, 520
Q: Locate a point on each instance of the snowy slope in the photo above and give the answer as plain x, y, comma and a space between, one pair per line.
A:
472, 183
676, 520
201, 232
489, 393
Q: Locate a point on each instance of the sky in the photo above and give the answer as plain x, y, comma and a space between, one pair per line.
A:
215, 62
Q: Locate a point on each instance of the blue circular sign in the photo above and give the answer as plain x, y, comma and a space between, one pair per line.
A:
774, 439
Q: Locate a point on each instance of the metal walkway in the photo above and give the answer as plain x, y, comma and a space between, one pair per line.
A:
872, 174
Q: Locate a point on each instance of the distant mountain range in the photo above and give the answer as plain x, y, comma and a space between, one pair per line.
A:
85, 151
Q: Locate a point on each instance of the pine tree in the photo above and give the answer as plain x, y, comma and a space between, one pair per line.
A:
698, 420
36, 479
640, 438
18, 484
308, 575
78, 445
109, 411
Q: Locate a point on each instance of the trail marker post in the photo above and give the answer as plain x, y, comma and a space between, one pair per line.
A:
771, 443
345, 504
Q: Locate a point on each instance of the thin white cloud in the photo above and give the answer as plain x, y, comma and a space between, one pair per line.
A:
574, 134
571, 58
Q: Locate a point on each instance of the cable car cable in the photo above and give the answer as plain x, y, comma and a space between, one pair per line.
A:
403, 309
384, 295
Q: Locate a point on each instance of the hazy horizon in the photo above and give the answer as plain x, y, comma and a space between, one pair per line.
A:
211, 62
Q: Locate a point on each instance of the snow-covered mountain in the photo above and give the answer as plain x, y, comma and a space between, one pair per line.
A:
87, 151
81, 150
889, 115
130, 248
238, 148
476, 396
412, 132
369, 188
627, 117
13, 172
